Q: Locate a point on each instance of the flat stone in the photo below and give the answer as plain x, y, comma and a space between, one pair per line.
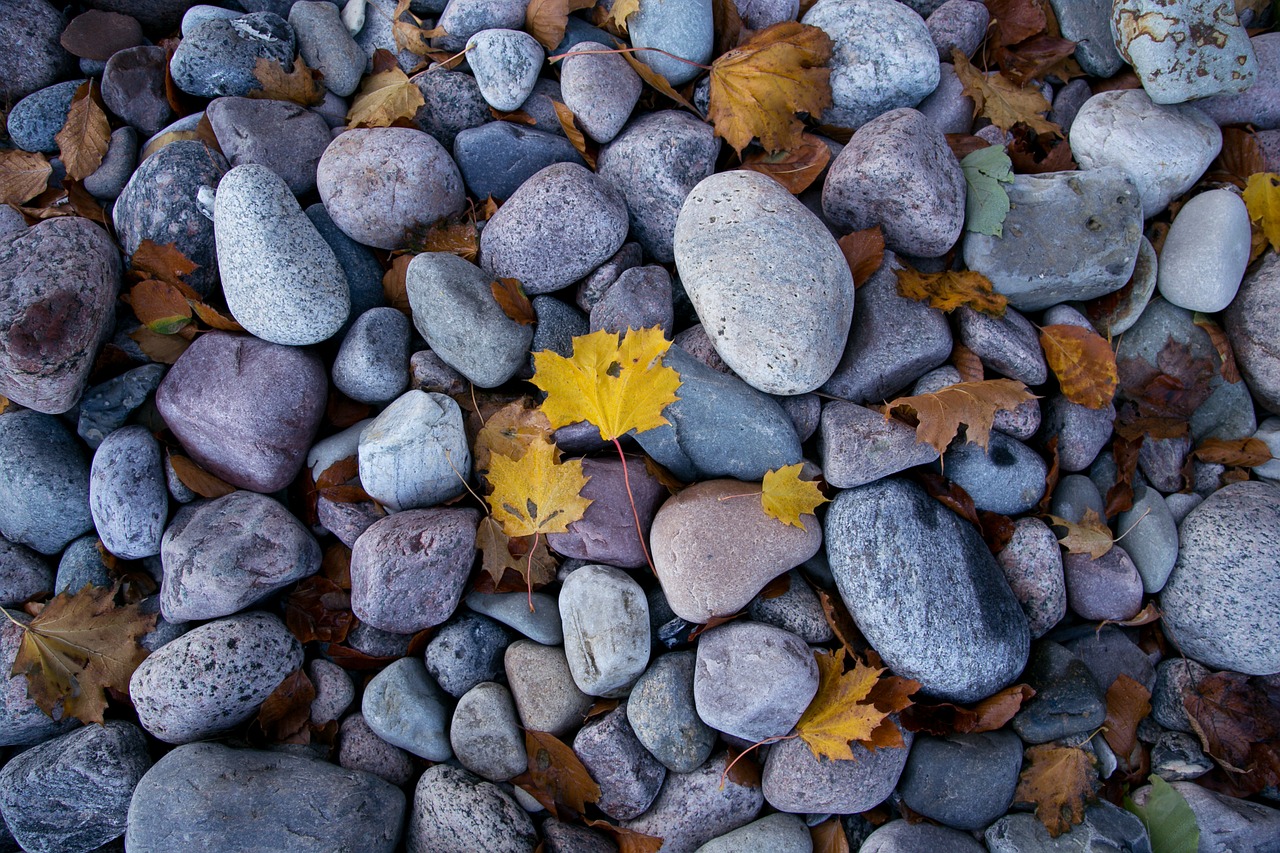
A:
415, 453
1106, 588
641, 298
900, 836
456, 810
606, 533
1151, 538
1082, 432
1185, 49
753, 681
948, 109
795, 781
105, 408
599, 88
1205, 252
958, 25
485, 733
34, 121
44, 482
695, 807
1088, 24
797, 609
1109, 652
372, 366
465, 651
360, 749
536, 616
1251, 326
462, 19
938, 780
127, 493
497, 157
781, 833
1009, 345
628, 776
219, 56
282, 136
663, 716
1105, 827
108, 180
363, 272
546, 696
1260, 103
404, 707
1032, 564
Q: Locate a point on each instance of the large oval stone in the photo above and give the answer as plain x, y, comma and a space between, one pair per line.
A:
44, 482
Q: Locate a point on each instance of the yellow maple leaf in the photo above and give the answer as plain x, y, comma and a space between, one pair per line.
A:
620, 11
617, 385
1057, 780
536, 494
998, 98
384, 98
941, 413
851, 706
509, 431
1089, 536
786, 497
1262, 198
758, 87
85, 136
950, 289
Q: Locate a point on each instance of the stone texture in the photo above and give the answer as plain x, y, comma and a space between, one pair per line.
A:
415, 453
796, 781
127, 493
219, 56
465, 651
1032, 564
505, 64
663, 716
485, 733
695, 807
1205, 252
606, 533
31, 56
964, 781
606, 629
497, 157
44, 482
1105, 827
23, 574
628, 776
455, 811
543, 687
372, 365
325, 45
284, 137
1184, 50
600, 89
1251, 325
899, 836
404, 707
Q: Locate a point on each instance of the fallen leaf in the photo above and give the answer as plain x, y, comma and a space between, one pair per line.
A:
986, 716
97, 35
659, 83
511, 299
1038, 153
787, 498
79, 646
536, 494
318, 609
165, 349
863, 252
999, 99
341, 411
1170, 823
986, 203
951, 289
1083, 362
455, 236
409, 34
1036, 58
497, 557
795, 169
23, 175
1128, 703
619, 11
1240, 157
385, 98
85, 135
1124, 451
198, 480
1057, 780
628, 840
616, 384
301, 85
1089, 536
509, 431
970, 404
284, 715
1226, 354
556, 776
842, 711
758, 87
967, 362
1145, 616
994, 711
777, 587
841, 622
163, 262
949, 494
1013, 21
159, 306
345, 494
1262, 198
1173, 388
829, 837
569, 124
1051, 476
215, 319
546, 20
1237, 720
1246, 452
727, 25
342, 471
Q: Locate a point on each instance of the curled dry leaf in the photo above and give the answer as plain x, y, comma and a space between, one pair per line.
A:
319, 609
455, 236
1246, 452
569, 124
162, 348
301, 85
628, 840
829, 837
1237, 719
973, 405
408, 32
1128, 703
556, 776
618, 12
85, 135
1083, 362
164, 262
1057, 780
545, 20
159, 306
796, 168
23, 175
500, 553
986, 716
1226, 354
863, 252
852, 706
659, 83
1090, 536
215, 319
1004, 102
951, 289
284, 715
786, 497
198, 480
511, 298
385, 98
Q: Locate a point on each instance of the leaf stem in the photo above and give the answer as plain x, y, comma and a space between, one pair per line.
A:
742, 495
528, 575
724, 775
635, 513
560, 56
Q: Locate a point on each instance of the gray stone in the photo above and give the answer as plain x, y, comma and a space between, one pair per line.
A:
33, 121
327, 46
1205, 252
1068, 101
1106, 588
408, 570
108, 180
219, 56
965, 781
1150, 537
737, 235
663, 716
680, 27
280, 135
606, 629
58, 307
797, 609
1226, 823
22, 721
1088, 24
1259, 105
462, 19
372, 365
796, 781
1008, 477
213, 677
948, 109
44, 482
133, 88
1069, 235
693, 808
377, 33
198, 14
485, 733
363, 272
546, 696
536, 616
1251, 325
628, 776
870, 74
452, 104
1009, 345
895, 552
415, 453
1082, 432
597, 282
780, 833
641, 298
1114, 314
753, 681
215, 798
759, 14
24, 575
1073, 496
558, 226
900, 836
1068, 700
360, 749
1176, 757
497, 157
1105, 827
71, 794
560, 837
1108, 653
557, 324
455, 812
465, 651
1184, 50
404, 707
599, 88
505, 63
127, 493
31, 56
1164, 149
958, 25
334, 691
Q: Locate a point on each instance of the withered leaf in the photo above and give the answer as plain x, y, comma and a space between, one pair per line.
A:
164, 349
456, 236
1083, 362
299, 85
1247, 452
1058, 781
986, 716
1128, 702
659, 83
1237, 719
385, 98
569, 124
319, 609
545, 20
163, 262
1001, 100
409, 34
727, 25
394, 285
968, 363
969, 404
1090, 536
1262, 198
1013, 21
85, 135
845, 710
215, 319
951, 289
1036, 58
512, 300
284, 715
628, 840
1226, 354
796, 168
159, 306
340, 472
534, 564
23, 175
863, 252
1173, 388
829, 837
556, 776
198, 480
841, 623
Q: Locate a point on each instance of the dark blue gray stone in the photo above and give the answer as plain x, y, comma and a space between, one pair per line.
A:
1008, 477
962, 780
23, 574
1068, 698
465, 651
860, 445
81, 563
1105, 827
628, 775
497, 157
453, 103
218, 57
558, 323
326, 45
127, 493
363, 272
662, 714
372, 365
133, 88
641, 298
36, 119
108, 180
104, 408
899, 836
44, 482
796, 781
1088, 24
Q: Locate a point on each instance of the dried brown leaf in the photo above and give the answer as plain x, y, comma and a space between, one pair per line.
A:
628, 840
24, 175
97, 35
284, 715
556, 776
301, 85
165, 349
1246, 452
969, 404
1226, 354
1089, 536
384, 99
1083, 362
319, 609
829, 837
198, 480
215, 319
545, 20
85, 135
1058, 781
863, 252
569, 124
1128, 703
999, 99
512, 300
795, 169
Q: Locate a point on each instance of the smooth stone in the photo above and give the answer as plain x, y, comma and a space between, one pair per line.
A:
1032, 564
381, 185
31, 56
22, 721
220, 55
465, 651
759, 14
1068, 700
641, 298
606, 533
1105, 827
1205, 252
34, 121
796, 781
1108, 653
1117, 312
897, 172
1009, 345
1180, 505
1259, 105
713, 553
109, 179
452, 104
198, 14
1185, 49
456, 312
593, 287
797, 609
378, 643
363, 272
1251, 326
57, 308
360, 749
282, 136
497, 157
415, 453
545, 694
663, 715
244, 409
461, 19
894, 552
556, 325
71, 794
127, 493
216, 798
1106, 588
940, 775
536, 617
753, 681
505, 64
599, 88
900, 836
1151, 538
871, 74
1223, 596
404, 707
693, 808
44, 482
408, 570
737, 235
1008, 477
1069, 235
454, 810
1074, 495
159, 204
372, 365
893, 341
327, 46
1068, 100
680, 27
859, 445
780, 833
957, 25
720, 427
561, 223
23, 575
628, 776
1088, 24
1161, 461
214, 677
334, 691
337, 447
378, 34
485, 733
948, 108
133, 88
1225, 823
1163, 148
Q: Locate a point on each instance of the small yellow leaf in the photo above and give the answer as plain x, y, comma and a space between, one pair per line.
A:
620, 11
851, 706
1090, 536
385, 98
85, 136
951, 289
1262, 198
787, 498
536, 493
1001, 100
1083, 362
970, 404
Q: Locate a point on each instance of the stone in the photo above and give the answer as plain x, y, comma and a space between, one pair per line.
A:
57, 308
693, 808
461, 19
870, 74
372, 365
1184, 50
465, 651
940, 775
23, 574
1225, 823
360, 749
1163, 148
641, 298
1105, 827
108, 180
1082, 432
606, 533
1075, 495
505, 64
628, 776
497, 157
1009, 345
334, 691
244, 409
561, 223
1069, 99
606, 629
105, 408
947, 108
485, 733
683, 28
1250, 325
737, 235
452, 104
1177, 756
455, 811
133, 88
795, 781
1008, 477
1106, 588
44, 482
220, 55
536, 616
560, 837
381, 185
663, 716
1151, 537
1259, 103
404, 707
599, 88
280, 135
797, 609
415, 453
363, 272
542, 685
900, 836
1088, 24
34, 121
22, 722
378, 34
31, 56
1032, 564
781, 833
1108, 652
327, 46
127, 493
593, 287
1205, 252
71, 794
966, 651
713, 555
214, 798
556, 324
897, 172
957, 25
1068, 700
214, 677
1069, 235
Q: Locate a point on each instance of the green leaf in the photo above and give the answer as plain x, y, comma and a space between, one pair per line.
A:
1168, 819
168, 325
986, 204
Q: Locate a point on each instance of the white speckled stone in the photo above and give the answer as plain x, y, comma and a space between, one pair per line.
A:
1206, 252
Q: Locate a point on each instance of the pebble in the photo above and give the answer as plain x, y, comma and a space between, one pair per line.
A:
541, 622
109, 179
1176, 678
360, 749
1259, 104
363, 272
372, 365
753, 681
23, 574
1089, 26
900, 836
31, 56
485, 733
127, 493
597, 282
22, 722
1225, 823
217, 798
737, 235
61, 278
1151, 538
133, 88
641, 298
695, 807
505, 64
680, 27
937, 780
1114, 314
628, 776
44, 482
1068, 700
780, 833
327, 46
1009, 345
1074, 495
599, 88
1206, 252
543, 687
948, 109
606, 533
456, 810
1106, 588
1163, 148
334, 691
381, 185
1008, 477
1223, 596
1108, 652
859, 445
963, 652
404, 707
1176, 757
663, 715
1068, 101
1032, 564
71, 794
415, 453
196, 15
1105, 827
465, 651
1251, 327
795, 781
870, 74
497, 157
452, 104
409, 569
957, 25
281, 136
561, 224
796, 610
244, 409
1185, 49
213, 678
897, 172
219, 56
33, 121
